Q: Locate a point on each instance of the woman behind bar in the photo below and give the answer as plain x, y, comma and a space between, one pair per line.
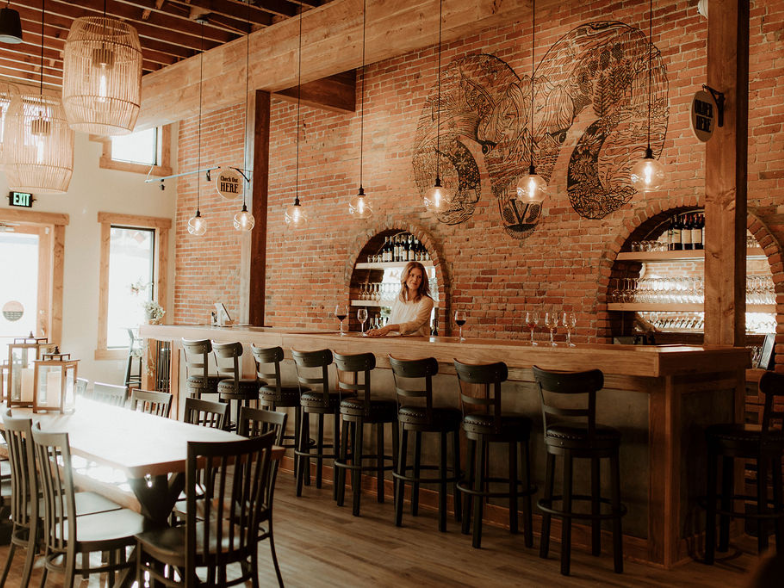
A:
411, 309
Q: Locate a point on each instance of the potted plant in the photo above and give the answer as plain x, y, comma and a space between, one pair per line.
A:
153, 311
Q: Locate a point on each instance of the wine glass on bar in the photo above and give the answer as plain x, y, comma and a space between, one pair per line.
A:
551, 322
460, 320
531, 321
362, 316
341, 312
569, 321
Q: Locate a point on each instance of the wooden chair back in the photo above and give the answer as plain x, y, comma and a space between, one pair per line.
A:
157, 403
81, 386
257, 422
480, 389
197, 353
358, 368
572, 384
110, 394
409, 375
227, 362
24, 479
313, 370
771, 384
225, 485
205, 413
268, 365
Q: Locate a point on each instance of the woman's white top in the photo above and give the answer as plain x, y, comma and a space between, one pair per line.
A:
413, 317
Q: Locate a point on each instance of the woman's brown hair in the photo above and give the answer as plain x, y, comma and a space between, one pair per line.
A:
424, 285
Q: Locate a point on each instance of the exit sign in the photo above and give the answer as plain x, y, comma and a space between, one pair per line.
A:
22, 199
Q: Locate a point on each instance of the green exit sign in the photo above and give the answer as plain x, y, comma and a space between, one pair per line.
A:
23, 199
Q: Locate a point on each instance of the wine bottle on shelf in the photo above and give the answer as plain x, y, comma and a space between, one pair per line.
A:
686, 232
702, 228
406, 249
410, 248
385, 250
696, 232
676, 234
397, 249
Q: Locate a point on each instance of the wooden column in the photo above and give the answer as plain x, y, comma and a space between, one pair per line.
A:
725, 176
260, 186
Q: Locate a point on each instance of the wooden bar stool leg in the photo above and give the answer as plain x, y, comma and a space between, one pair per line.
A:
469, 480
417, 465
710, 515
336, 444
319, 449
304, 463
400, 484
442, 448
356, 461
527, 507
777, 503
727, 490
340, 472
566, 529
615, 501
380, 462
478, 486
395, 443
457, 473
596, 493
513, 515
297, 429
762, 503
547, 501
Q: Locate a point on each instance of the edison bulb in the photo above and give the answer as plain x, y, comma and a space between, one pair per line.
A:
359, 207
295, 215
438, 198
197, 225
531, 188
647, 174
243, 220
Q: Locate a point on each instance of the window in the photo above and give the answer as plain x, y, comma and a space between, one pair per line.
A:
146, 152
133, 270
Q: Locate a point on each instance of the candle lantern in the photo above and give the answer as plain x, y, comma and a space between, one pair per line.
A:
21, 355
55, 382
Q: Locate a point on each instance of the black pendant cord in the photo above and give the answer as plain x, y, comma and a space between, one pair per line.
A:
247, 87
299, 100
362, 100
650, 70
533, 66
41, 88
438, 106
198, 148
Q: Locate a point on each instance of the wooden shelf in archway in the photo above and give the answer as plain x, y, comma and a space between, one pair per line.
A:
696, 255
378, 304
390, 264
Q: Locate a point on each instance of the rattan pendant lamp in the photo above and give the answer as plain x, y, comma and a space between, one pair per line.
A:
359, 207
295, 214
102, 76
438, 198
243, 220
532, 187
38, 143
196, 224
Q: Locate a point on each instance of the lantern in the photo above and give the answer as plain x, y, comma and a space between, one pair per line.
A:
21, 355
55, 382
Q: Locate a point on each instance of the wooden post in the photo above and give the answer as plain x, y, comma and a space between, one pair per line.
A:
725, 176
258, 253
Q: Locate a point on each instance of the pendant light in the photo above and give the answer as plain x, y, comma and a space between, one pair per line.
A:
10, 25
295, 215
648, 173
102, 76
197, 225
438, 198
39, 144
243, 220
531, 188
359, 207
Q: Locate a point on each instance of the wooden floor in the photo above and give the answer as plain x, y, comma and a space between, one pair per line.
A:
320, 544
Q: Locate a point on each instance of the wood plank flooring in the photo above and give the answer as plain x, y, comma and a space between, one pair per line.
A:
320, 544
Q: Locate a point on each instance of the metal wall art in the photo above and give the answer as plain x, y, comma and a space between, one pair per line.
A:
591, 97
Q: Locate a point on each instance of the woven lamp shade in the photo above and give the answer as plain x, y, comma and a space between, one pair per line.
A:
7, 91
38, 144
102, 76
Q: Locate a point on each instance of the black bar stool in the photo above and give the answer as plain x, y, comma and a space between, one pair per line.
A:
318, 402
415, 413
133, 364
198, 381
232, 387
484, 423
357, 411
580, 438
273, 395
763, 444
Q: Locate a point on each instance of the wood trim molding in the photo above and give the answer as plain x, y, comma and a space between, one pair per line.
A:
111, 354
31, 216
134, 220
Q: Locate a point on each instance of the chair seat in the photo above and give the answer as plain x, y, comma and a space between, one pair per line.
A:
570, 437
118, 526
249, 388
513, 426
289, 395
169, 543
316, 400
194, 383
378, 410
444, 419
745, 439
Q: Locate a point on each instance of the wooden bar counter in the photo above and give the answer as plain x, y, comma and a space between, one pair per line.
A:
661, 398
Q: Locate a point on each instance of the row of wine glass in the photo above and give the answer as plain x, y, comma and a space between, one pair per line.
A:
553, 319
759, 290
756, 322
388, 291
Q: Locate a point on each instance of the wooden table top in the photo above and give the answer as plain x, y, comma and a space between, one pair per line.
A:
137, 444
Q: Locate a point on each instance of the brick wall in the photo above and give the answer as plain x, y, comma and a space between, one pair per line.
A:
565, 264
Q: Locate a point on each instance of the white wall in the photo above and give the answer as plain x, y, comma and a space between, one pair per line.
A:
93, 189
